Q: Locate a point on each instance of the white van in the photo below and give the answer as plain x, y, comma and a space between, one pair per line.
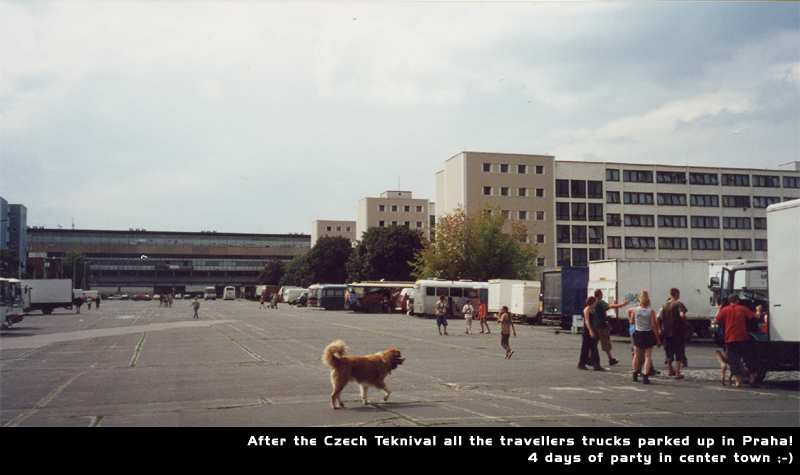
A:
229, 293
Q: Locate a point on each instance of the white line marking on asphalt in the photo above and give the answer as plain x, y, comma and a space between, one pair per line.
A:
137, 351
590, 391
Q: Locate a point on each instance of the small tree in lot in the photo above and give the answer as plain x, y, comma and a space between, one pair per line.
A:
385, 253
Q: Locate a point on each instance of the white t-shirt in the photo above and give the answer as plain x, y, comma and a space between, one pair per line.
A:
468, 311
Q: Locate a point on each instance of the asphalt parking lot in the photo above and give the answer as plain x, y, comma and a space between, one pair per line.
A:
136, 364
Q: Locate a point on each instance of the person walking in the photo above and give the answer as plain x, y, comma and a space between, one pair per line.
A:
468, 310
262, 300
589, 354
645, 337
506, 327
97, 302
88, 303
734, 318
441, 315
78, 303
600, 323
196, 308
673, 327
482, 313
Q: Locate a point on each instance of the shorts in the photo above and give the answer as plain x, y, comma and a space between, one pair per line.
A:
644, 339
674, 349
605, 339
441, 320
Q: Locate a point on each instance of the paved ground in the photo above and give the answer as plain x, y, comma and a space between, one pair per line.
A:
135, 364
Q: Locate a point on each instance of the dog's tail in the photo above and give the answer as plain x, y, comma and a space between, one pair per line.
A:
333, 352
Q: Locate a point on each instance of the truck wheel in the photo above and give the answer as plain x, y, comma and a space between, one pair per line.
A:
47, 311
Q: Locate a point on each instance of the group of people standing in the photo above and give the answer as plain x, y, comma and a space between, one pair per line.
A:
78, 302
165, 300
648, 329
272, 301
469, 312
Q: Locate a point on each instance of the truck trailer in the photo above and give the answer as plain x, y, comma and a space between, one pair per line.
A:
48, 294
564, 294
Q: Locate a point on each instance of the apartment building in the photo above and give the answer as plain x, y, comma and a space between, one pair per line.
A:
519, 186
393, 208
606, 210
331, 228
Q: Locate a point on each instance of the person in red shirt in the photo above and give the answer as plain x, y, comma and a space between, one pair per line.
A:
733, 317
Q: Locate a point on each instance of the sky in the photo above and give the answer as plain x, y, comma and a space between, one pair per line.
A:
264, 116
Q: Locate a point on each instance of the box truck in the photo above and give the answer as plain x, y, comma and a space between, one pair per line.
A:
563, 294
526, 301
623, 280
48, 294
774, 286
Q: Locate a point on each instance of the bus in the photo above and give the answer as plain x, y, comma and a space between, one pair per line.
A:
12, 302
229, 293
327, 296
210, 293
375, 297
455, 292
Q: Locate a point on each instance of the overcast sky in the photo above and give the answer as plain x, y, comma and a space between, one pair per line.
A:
261, 117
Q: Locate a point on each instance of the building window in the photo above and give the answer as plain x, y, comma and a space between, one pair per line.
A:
671, 199
674, 244
506, 214
407, 209
791, 182
580, 258
766, 181
594, 189
523, 192
612, 174
562, 211
640, 243
735, 223
347, 229
703, 179
639, 220
578, 211
735, 180
731, 201
596, 254
704, 201
705, 244
613, 219
761, 244
407, 224
614, 242
487, 167
419, 224
760, 223
578, 188
523, 215
562, 234
540, 192
563, 257
612, 197
503, 191
522, 169
579, 234
394, 223
328, 228
381, 208
631, 198
540, 238
677, 178
540, 261
764, 201
540, 169
487, 191
595, 235
338, 229
562, 188
705, 222
595, 212
540, 216
419, 209
666, 221
738, 245
637, 176
394, 208
504, 168
382, 223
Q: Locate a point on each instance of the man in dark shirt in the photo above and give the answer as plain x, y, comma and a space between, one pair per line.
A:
600, 323
734, 317
672, 319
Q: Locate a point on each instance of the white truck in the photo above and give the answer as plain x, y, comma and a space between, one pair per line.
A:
12, 302
774, 285
623, 280
526, 301
48, 294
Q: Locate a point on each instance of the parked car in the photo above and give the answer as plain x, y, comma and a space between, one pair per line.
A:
124, 297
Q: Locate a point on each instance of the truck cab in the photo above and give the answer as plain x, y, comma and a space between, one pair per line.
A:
13, 295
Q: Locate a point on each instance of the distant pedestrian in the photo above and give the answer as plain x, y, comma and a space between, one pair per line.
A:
441, 315
274, 303
262, 301
645, 337
97, 302
482, 313
600, 323
506, 327
673, 326
170, 299
78, 303
734, 318
196, 308
589, 341
468, 312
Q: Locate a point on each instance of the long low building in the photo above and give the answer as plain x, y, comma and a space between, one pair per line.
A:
160, 261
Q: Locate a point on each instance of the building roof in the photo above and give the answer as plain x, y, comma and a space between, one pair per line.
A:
142, 232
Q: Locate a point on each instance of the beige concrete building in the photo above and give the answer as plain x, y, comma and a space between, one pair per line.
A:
519, 186
330, 228
607, 210
398, 208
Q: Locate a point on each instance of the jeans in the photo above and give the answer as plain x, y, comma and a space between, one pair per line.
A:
589, 353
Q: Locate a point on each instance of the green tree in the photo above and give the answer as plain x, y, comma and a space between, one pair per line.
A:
297, 272
327, 260
273, 273
385, 253
480, 246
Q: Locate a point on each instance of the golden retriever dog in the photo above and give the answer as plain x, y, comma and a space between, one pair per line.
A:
367, 370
